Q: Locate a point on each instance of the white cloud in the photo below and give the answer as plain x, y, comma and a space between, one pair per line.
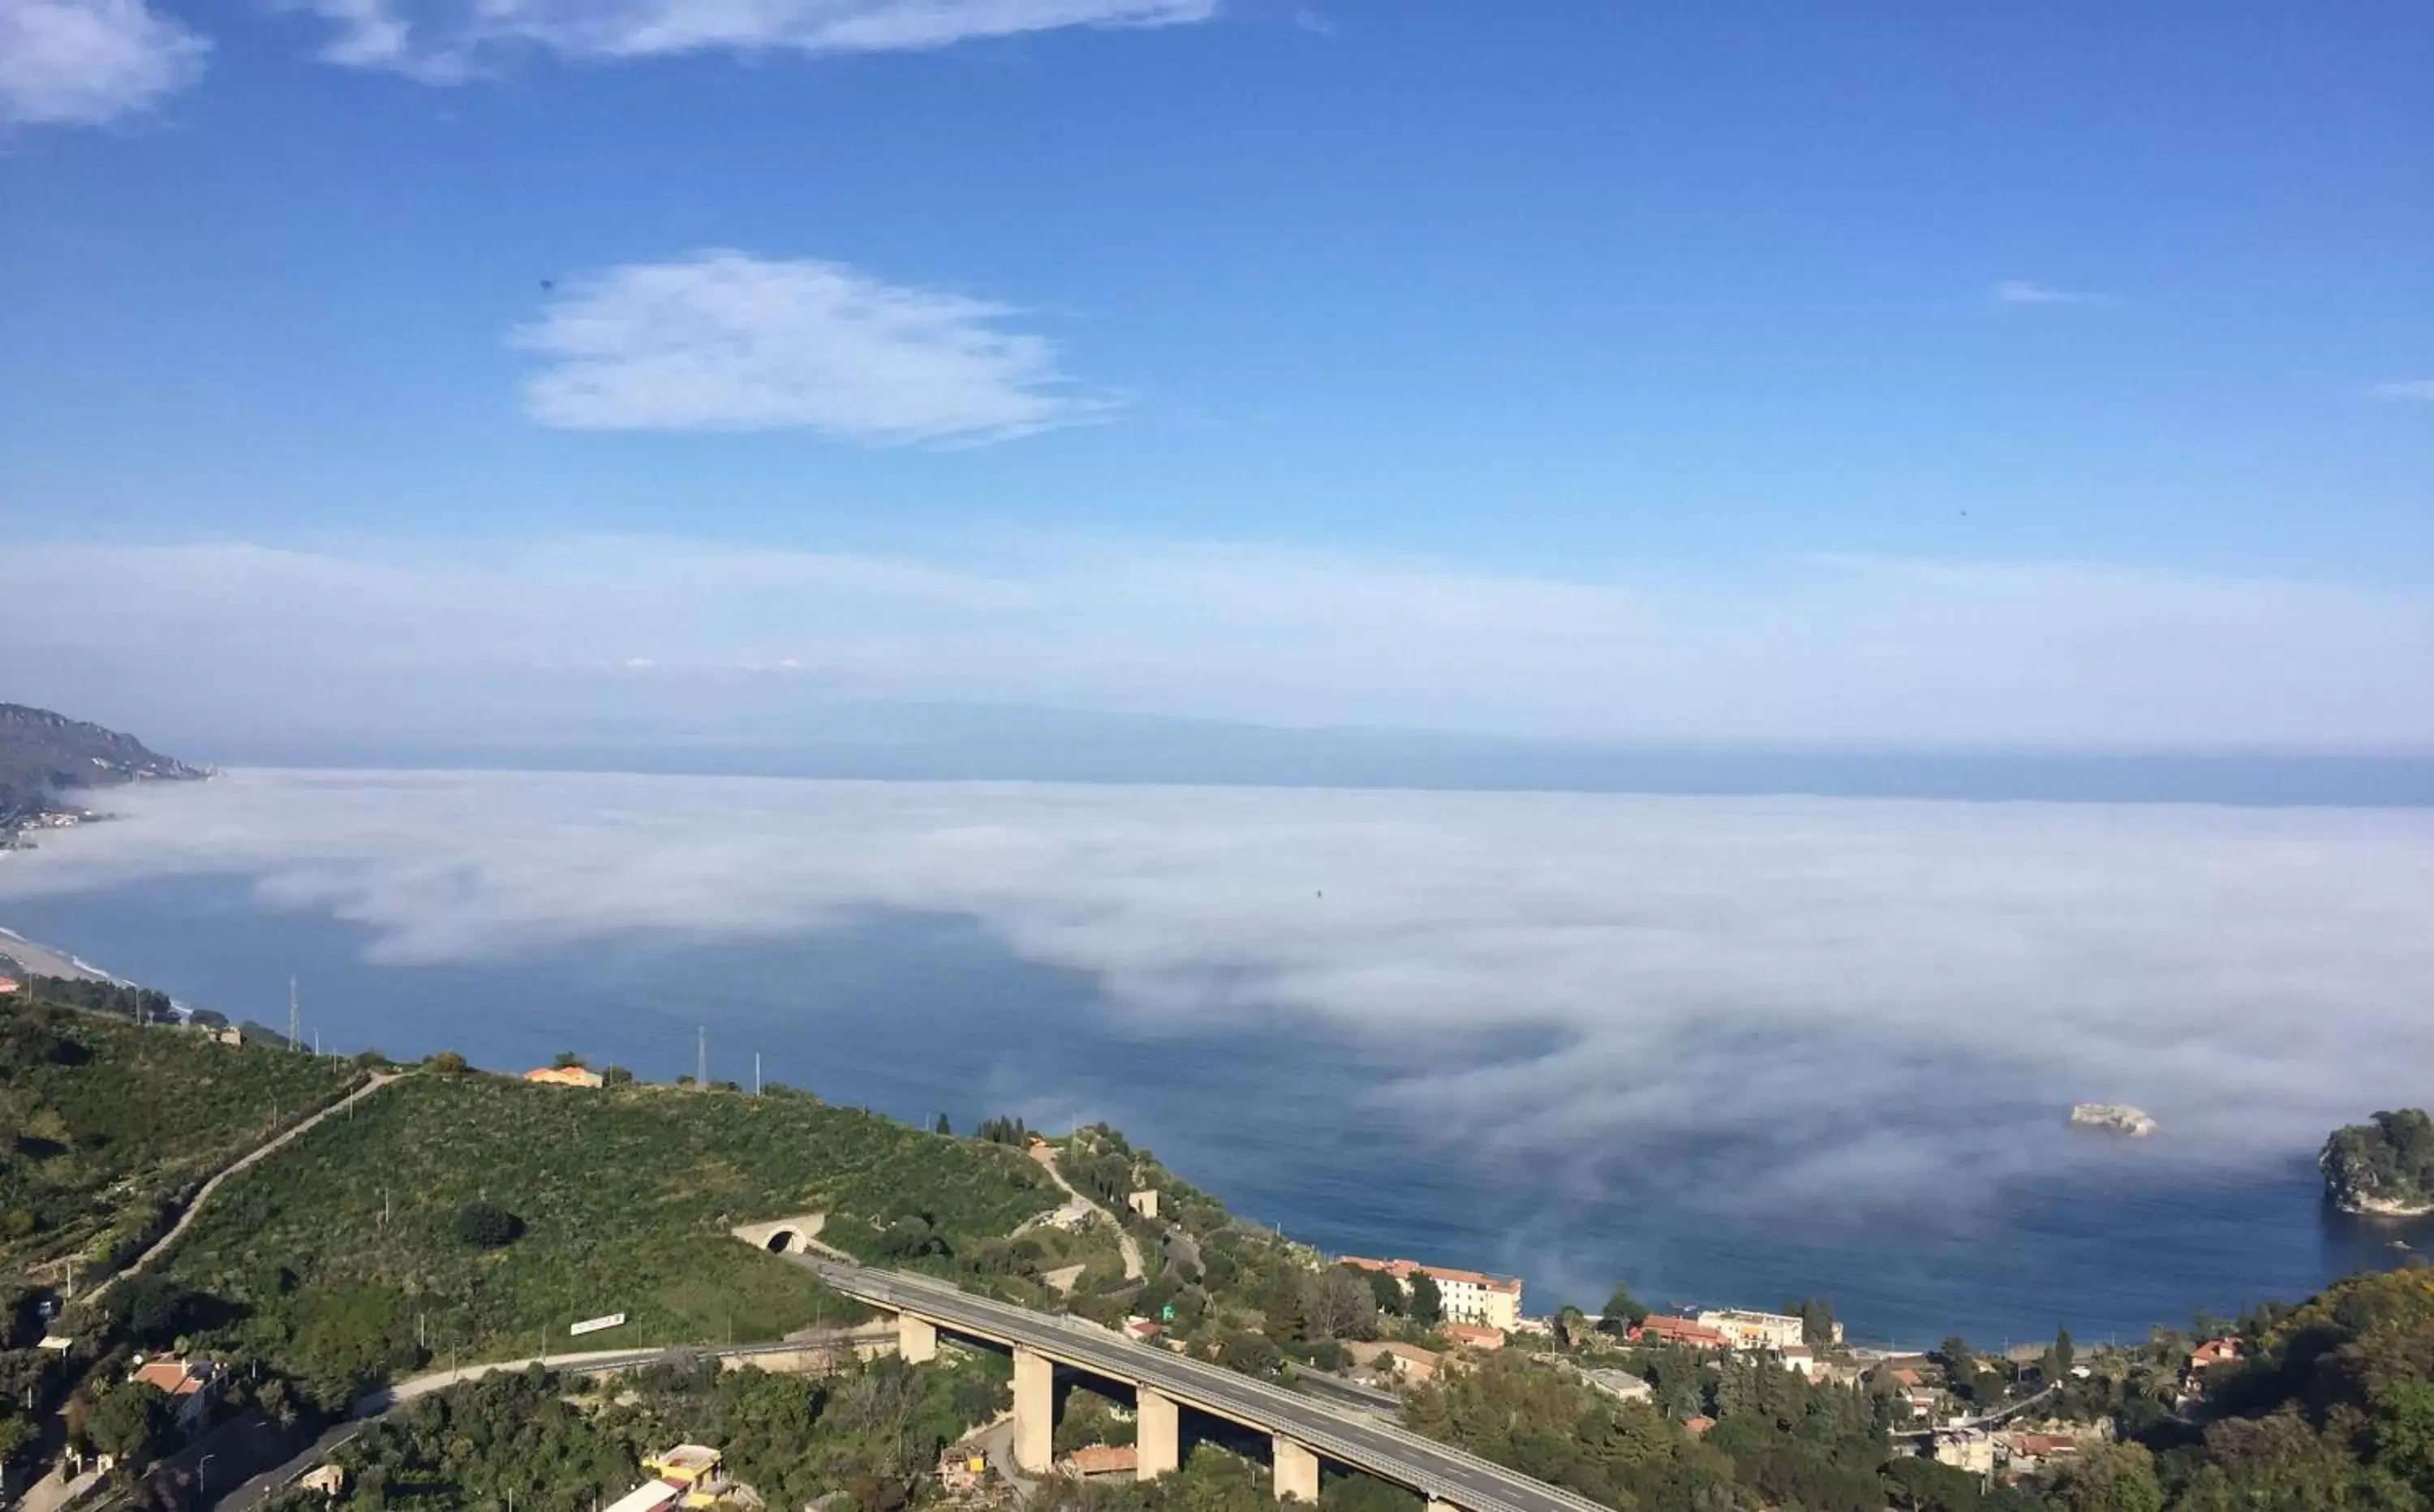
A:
2021, 290
1845, 650
81, 62
1884, 1003
725, 341
439, 41
2420, 390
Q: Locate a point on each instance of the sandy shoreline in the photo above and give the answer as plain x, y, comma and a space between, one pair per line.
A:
41, 960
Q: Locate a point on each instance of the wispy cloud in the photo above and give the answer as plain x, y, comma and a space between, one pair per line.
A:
440, 41
1873, 1004
82, 62
2024, 292
1854, 650
2419, 390
726, 340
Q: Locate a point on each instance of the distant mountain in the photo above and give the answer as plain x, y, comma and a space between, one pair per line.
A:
45, 756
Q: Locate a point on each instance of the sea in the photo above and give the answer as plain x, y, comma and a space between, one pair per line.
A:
918, 1012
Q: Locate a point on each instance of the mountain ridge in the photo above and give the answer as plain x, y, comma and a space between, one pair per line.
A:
44, 753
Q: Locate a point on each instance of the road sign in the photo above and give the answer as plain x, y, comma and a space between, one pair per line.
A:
1166, 1314
593, 1325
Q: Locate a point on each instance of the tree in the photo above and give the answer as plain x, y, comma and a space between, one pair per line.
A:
127, 1421
2059, 1359
1959, 1364
1286, 1307
1816, 1316
1571, 1324
2404, 1431
2109, 1478
1387, 1292
942, 1126
488, 1226
1344, 1306
615, 1076
567, 1059
1918, 1485
1622, 1310
448, 1064
1428, 1304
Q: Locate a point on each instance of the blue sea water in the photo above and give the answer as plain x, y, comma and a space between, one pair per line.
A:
916, 1015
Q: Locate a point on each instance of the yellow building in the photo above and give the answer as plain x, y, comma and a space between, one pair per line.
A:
692, 1470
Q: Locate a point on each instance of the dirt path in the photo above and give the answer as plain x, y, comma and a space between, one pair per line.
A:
202, 1195
1133, 1268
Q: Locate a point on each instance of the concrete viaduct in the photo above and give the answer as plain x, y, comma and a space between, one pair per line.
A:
1302, 1431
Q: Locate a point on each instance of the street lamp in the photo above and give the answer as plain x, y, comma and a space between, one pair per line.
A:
203, 1478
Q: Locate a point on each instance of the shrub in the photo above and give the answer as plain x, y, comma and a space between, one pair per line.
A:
488, 1226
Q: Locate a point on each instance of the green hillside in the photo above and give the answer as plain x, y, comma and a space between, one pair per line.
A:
342, 1248
102, 1122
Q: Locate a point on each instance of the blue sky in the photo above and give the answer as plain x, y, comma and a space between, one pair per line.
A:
2032, 375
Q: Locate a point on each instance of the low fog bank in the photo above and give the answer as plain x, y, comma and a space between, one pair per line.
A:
1835, 1006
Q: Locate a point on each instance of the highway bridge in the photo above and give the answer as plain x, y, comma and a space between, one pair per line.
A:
1303, 1431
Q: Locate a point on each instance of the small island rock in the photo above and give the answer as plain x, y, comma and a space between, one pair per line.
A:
2384, 1167
2113, 1118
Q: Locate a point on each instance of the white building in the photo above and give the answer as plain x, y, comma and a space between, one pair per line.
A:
1756, 1331
1463, 1296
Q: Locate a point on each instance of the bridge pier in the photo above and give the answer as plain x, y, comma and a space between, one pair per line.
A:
1035, 1410
1157, 1424
1436, 1506
916, 1339
1297, 1472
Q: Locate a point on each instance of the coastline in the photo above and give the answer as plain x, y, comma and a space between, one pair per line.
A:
41, 960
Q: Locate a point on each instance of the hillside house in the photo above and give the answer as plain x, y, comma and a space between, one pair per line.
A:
1463, 1296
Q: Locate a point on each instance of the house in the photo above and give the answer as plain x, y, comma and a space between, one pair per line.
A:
1144, 1202
651, 1496
1799, 1359
190, 1384
1697, 1427
1659, 1329
1969, 1449
1747, 1329
2025, 1453
8, 985
1620, 1385
1410, 1362
564, 1075
2213, 1353
962, 1469
1475, 1336
1145, 1328
692, 1470
1099, 1459
1463, 1295
330, 1480
1905, 1378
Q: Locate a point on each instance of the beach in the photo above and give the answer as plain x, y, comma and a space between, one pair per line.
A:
41, 961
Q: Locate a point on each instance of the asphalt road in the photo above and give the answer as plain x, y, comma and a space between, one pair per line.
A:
1346, 1436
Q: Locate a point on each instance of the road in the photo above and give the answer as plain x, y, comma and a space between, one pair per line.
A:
1345, 1436
203, 1195
1967, 1423
1133, 1268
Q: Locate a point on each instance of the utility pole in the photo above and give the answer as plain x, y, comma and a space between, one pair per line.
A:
701, 1057
294, 1025
756, 1073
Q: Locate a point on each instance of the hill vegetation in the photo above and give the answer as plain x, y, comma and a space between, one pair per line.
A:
477, 1216
104, 1124
867, 1436
2385, 1165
